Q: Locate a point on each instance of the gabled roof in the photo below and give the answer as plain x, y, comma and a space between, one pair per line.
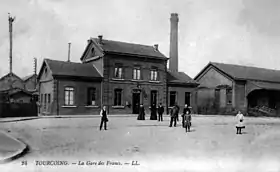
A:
11, 75
71, 69
28, 77
15, 91
124, 48
238, 72
180, 78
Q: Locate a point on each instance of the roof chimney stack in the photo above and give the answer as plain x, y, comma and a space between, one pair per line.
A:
156, 47
69, 48
173, 54
100, 37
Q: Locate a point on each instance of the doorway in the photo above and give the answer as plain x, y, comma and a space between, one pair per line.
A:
135, 102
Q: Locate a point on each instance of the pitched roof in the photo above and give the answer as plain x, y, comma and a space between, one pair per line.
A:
28, 77
239, 72
180, 78
11, 75
110, 46
62, 68
15, 91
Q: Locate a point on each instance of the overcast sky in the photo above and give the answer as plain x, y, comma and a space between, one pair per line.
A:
245, 32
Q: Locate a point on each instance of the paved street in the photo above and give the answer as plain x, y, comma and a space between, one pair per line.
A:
8, 145
212, 145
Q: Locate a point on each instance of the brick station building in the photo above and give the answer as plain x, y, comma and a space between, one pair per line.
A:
117, 74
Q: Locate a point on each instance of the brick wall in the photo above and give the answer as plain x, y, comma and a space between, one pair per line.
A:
80, 97
128, 85
181, 97
240, 96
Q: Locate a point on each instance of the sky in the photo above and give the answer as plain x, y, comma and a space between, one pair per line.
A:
244, 32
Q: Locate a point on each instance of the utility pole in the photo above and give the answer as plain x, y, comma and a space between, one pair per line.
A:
35, 72
11, 20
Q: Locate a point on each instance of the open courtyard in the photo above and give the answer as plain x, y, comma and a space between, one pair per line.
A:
131, 145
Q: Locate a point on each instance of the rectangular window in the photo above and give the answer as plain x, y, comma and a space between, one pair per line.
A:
154, 75
136, 73
118, 72
41, 99
49, 98
45, 98
153, 97
91, 96
172, 98
118, 97
69, 96
229, 96
188, 98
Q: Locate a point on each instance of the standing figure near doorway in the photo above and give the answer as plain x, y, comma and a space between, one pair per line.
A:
240, 122
185, 112
153, 112
104, 118
141, 115
160, 112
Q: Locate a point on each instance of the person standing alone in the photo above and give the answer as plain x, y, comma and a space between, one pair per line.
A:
104, 118
185, 112
160, 112
240, 122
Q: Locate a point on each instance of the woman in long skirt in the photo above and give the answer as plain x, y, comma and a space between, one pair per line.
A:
141, 115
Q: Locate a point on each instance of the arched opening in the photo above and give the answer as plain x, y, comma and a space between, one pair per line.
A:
266, 101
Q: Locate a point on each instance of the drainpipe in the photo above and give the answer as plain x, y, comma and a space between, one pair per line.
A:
57, 99
101, 92
166, 82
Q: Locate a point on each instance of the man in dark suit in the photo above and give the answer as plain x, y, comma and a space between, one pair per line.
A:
160, 112
173, 115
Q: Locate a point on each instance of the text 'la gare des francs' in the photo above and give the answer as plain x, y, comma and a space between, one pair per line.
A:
86, 163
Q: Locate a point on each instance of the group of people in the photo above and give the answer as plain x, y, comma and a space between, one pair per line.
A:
154, 112
174, 114
186, 117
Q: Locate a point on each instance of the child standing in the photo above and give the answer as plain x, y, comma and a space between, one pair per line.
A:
240, 122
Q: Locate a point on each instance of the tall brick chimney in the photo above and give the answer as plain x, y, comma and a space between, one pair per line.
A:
173, 54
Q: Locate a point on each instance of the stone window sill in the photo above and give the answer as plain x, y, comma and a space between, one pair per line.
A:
68, 106
154, 81
118, 107
136, 80
117, 79
92, 106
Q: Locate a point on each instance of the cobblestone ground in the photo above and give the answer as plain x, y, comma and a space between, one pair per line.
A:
212, 145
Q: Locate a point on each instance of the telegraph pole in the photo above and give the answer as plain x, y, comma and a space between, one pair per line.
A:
35, 72
11, 20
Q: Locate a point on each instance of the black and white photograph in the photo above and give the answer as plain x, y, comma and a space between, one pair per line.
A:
140, 85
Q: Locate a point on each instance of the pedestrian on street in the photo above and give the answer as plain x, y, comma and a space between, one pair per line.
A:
141, 115
160, 112
240, 122
104, 118
187, 122
185, 111
173, 113
178, 110
153, 112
